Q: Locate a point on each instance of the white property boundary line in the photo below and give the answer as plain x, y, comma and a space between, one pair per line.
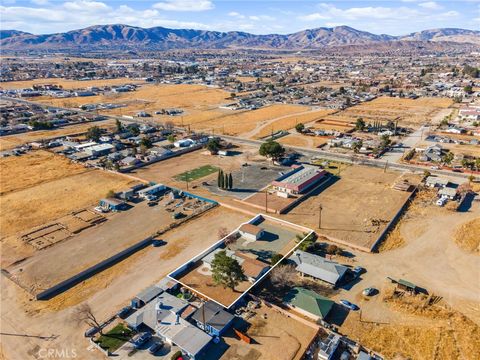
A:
221, 241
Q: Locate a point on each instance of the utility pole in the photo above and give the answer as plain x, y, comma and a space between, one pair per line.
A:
266, 201
320, 208
385, 168
186, 180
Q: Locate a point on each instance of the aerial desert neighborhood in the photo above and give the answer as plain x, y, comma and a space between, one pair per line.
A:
239, 180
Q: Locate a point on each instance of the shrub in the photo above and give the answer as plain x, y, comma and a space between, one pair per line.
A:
176, 355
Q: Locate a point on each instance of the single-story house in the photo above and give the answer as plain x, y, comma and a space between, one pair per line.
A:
212, 318
251, 232
435, 181
146, 296
448, 192
112, 204
176, 331
308, 303
252, 267
151, 190
318, 267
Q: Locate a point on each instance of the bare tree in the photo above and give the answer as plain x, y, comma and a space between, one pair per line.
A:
169, 125
84, 315
284, 276
222, 232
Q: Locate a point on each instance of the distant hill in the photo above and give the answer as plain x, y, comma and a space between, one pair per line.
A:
157, 38
447, 34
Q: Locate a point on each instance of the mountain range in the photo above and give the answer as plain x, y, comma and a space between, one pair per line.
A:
118, 36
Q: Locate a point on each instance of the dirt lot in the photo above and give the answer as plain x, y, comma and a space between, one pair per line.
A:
165, 171
39, 201
68, 84
407, 111
303, 141
467, 236
276, 338
360, 195
91, 246
289, 122
11, 141
106, 292
33, 168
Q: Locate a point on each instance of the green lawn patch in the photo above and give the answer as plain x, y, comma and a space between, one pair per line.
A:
196, 173
115, 338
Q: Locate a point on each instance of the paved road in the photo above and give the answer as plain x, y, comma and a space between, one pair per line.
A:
307, 151
352, 159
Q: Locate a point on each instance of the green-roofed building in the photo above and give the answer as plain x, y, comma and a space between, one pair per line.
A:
308, 303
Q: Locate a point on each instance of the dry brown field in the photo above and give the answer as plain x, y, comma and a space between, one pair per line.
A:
277, 337
467, 236
12, 141
289, 122
302, 140
34, 168
408, 112
68, 84
43, 201
360, 195
246, 121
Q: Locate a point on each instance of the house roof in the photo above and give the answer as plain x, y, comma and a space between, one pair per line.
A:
151, 313
251, 229
149, 293
186, 336
253, 267
215, 315
407, 284
309, 301
318, 266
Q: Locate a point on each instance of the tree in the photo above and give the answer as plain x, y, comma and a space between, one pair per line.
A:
171, 138
300, 127
84, 315
272, 149
94, 133
276, 257
213, 145
146, 142
447, 158
426, 173
220, 179
468, 89
222, 233
284, 276
385, 141
230, 181
225, 181
119, 126
360, 124
357, 145
332, 249
471, 178
111, 194
307, 243
133, 129
226, 271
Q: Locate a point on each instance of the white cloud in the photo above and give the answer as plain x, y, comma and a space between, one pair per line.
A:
86, 6
60, 17
432, 5
261, 18
184, 5
236, 15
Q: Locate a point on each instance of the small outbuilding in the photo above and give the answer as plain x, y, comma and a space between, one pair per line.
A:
251, 232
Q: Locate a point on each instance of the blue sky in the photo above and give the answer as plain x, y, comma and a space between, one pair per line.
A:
259, 17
